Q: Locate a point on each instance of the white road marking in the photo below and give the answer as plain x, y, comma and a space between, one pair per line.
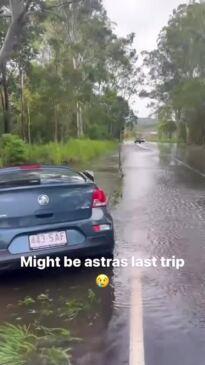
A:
136, 353
189, 167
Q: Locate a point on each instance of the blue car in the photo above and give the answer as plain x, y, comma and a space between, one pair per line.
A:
52, 211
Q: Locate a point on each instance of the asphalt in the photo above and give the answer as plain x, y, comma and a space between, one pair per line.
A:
163, 205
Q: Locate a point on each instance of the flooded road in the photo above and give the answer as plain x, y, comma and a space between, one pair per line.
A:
159, 211
165, 200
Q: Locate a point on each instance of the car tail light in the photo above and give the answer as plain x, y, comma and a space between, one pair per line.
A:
99, 198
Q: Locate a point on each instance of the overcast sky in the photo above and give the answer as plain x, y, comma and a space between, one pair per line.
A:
145, 18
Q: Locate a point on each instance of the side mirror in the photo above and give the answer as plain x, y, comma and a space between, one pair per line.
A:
89, 174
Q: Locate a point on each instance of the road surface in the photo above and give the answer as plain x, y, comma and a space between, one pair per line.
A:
163, 215
147, 316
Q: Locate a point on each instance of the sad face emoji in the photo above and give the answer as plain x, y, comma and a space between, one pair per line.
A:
102, 281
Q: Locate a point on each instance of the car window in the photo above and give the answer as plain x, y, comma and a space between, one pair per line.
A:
43, 176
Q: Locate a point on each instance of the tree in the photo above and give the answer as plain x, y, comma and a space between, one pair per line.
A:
176, 71
68, 65
19, 12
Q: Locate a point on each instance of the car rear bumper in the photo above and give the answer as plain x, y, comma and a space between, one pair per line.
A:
92, 247
82, 240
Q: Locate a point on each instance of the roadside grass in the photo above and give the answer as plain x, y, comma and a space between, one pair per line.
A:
38, 344
14, 151
76, 150
17, 344
22, 345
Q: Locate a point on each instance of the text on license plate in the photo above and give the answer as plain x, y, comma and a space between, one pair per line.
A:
50, 239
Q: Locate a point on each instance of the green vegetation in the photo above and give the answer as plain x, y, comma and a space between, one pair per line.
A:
177, 75
68, 309
66, 74
167, 128
76, 150
17, 344
14, 151
74, 307
38, 344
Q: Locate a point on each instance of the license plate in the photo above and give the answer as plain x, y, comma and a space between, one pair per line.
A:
47, 240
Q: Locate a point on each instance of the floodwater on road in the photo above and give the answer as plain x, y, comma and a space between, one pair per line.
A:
168, 201
159, 211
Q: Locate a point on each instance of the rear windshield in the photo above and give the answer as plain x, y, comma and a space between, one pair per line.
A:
42, 176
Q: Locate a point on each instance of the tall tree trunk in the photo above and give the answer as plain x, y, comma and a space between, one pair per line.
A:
111, 130
23, 134
6, 101
55, 124
79, 117
18, 10
2, 100
29, 123
81, 122
3, 107
80, 132
188, 135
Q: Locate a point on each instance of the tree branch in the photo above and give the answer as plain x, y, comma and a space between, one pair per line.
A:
5, 12
19, 12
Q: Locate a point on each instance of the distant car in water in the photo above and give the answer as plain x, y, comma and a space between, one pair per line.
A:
140, 140
52, 210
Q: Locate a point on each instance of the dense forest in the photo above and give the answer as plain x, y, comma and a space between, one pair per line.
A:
174, 74
64, 72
